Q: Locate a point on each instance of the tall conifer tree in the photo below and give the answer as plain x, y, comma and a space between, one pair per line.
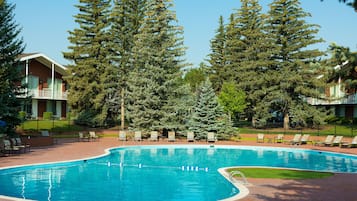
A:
217, 56
126, 18
90, 65
11, 46
158, 55
291, 74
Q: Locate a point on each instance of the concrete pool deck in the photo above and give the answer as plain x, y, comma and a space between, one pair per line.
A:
337, 187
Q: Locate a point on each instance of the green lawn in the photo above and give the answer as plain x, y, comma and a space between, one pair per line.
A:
272, 173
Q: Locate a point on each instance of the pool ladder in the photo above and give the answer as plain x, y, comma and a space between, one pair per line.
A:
236, 172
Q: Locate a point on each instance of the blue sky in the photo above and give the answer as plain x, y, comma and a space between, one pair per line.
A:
45, 24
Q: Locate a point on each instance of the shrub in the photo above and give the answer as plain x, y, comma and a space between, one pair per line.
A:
47, 115
22, 115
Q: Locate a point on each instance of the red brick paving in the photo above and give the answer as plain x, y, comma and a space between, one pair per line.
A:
338, 187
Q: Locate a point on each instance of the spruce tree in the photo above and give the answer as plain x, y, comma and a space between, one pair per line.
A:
217, 56
207, 114
291, 75
11, 46
157, 62
126, 18
90, 70
249, 53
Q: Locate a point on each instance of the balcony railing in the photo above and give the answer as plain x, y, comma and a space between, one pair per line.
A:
350, 99
45, 93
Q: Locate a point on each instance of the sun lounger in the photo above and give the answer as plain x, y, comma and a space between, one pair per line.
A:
14, 144
304, 139
349, 145
190, 136
279, 138
171, 136
6, 144
82, 137
19, 142
122, 136
327, 142
211, 137
260, 137
337, 141
93, 136
137, 136
295, 140
153, 136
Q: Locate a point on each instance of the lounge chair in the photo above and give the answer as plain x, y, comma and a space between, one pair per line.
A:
327, 142
305, 139
279, 138
171, 136
137, 135
8, 148
19, 142
82, 137
190, 136
349, 145
260, 137
337, 141
153, 136
93, 136
20, 146
295, 140
211, 137
122, 136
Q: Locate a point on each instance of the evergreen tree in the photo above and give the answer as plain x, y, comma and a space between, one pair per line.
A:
195, 76
249, 53
217, 57
10, 72
90, 70
156, 76
291, 76
126, 20
207, 115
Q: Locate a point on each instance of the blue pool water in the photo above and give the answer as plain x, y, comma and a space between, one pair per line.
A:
158, 173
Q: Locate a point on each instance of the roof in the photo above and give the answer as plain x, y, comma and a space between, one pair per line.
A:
45, 60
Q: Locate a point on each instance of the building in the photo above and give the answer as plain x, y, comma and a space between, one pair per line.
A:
336, 97
46, 90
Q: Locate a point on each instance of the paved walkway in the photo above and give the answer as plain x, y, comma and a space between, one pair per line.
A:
339, 187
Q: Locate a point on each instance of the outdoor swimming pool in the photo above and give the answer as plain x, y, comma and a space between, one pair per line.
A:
186, 172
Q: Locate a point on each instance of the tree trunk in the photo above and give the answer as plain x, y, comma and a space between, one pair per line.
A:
286, 120
122, 110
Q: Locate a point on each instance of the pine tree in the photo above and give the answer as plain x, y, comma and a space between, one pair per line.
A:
291, 76
207, 114
90, 69
10, 72
249, 54
157, 60
217, 56
126, 20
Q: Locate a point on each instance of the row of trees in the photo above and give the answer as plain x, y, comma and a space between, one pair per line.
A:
127, 58
268, 56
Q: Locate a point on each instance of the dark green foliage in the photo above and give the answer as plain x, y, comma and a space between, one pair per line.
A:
291, 73
90, 69
11, 46
207, 115
155, 82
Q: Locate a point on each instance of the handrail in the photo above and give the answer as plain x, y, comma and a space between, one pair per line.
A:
236, 172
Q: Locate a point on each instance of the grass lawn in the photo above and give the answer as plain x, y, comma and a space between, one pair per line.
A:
271, 173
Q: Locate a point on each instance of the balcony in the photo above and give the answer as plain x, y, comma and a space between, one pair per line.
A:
346, 100
45, 93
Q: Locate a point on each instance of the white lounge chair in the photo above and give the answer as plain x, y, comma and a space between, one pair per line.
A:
327, 142
296, 139
137, 136
154, 136
122, 136
279, 138
211, 137
190, 136
304, 139
260, 137
352, 144
171, 136
93, 136
337, 141
82, 137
